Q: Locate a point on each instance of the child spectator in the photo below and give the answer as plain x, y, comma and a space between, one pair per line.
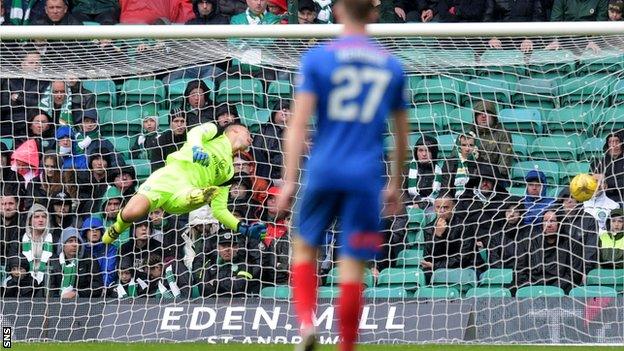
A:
616, 8
24, 171
140, 246
106, 255
225, 115
61, 213
111, 203
600, 205
130, 284
612, 241
19, 283
425, 173
167, 281
68, 150
455, 170
147, 140
267, 144
245, 166
40, 129
88, 136
37, 244
171, 140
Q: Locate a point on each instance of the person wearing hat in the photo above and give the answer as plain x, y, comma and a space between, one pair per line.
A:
279, 8
37, 244
493, 142
88, 136
612, 241
130, 283
68, 150
167, 279
226, 114
110, 206
19, 282
147, 140
197, 103
308, 12
267, 144
92, 231
425, 172
74, 273
228, 274
616, 10
170, 140
124, 179
536, 200
141, 245
207, 12
61, 214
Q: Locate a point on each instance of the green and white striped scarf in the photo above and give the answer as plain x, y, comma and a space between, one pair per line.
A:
17, 15
69, 268
48, 246
47, 104
173, 291
131, 291
413, 175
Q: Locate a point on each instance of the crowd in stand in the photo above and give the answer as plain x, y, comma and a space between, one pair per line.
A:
63, 182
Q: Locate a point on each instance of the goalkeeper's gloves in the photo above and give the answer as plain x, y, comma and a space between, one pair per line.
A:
200, 156
255, 231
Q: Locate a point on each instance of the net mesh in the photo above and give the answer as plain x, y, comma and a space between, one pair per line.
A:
495, 137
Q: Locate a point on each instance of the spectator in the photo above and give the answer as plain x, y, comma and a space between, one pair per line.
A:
19, 283
147, 140
229, 274
56, 13
245, 167
18, 94
549, 256
167, 281
100, 11
275, 250
456, 169
509, 245
10, 227
150, 12
40, 129
513, 11
256, 13
535, 201
124, 179
267, 145
51, 180
61, 214
241, 198
3, 19
449, 242
197, 104
308, 12
230, 8
111, 204
581, 230
325, 14
575, 10
24, 172
600, 205
22, 13
88, 136
494, 142
225, 115
68, 150
416, 11
612, 241
74, 273
200, 240
171, 140
425, 174
141, 246
611, 166
279, 8
616, 8
461, 10
130, 283
106, 255
207, 12
64, 101
37, 244
159, 223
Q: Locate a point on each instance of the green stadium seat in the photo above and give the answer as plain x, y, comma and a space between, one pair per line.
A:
592, 291
439, 89
247, 91
606, 277
406, 278
125, 120
8, 141
90, 23
385, 293
177, 87
407, 258
592, 147
486, 89
461, 278
606, 61
503, 61
251, 115
589, 89
496, 277
122, 144
618, 93
328, 292
550, 169
519, 191
570, 169
520, 146
280, 89
488, 292
612, 120
417, 219
528, 120
276, 292
142, 91
104, 90
333, 277
427, 118
163, 120
548, 63
535, 91
460, 120
452, 60
558, 147
437, 293
446, 144
571, 119
539, 291
142, 167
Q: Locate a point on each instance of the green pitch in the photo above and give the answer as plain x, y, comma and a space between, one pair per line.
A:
256, 347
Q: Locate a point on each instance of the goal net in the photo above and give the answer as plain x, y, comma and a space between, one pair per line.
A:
490, 245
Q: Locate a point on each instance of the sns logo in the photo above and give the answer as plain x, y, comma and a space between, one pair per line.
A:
6, 337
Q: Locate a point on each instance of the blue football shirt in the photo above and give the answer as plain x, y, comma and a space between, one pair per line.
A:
357, 85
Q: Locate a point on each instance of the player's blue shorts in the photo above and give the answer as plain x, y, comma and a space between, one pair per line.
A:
359, 214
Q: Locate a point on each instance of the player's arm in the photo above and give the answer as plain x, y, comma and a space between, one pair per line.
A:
224, 216
197, 137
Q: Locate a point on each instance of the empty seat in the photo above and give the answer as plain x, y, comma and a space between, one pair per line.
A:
612, 119
460, 120
251, 115
539, 291
520, 145
280, 89
142, 167
409, 257
406, 278
570, 169
545, 63
571, 119
487, 89
618, 92
446, 144
550, 169
438, 89
121, 144
585, 89
8, 141
496, 277
505, 61
385, 293
328, 292
605, 61
276, 292
125, 120
333, 277
427, 117
104, 90
592, 291
461, 278
142, 91
488, 292
606, 277
248, 91
437, 292
592, 147
557, 147
528, 120
536, 91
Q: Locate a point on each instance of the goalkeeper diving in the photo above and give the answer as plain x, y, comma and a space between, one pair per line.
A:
197, 174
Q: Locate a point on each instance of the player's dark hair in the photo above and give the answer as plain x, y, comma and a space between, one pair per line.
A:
358, 10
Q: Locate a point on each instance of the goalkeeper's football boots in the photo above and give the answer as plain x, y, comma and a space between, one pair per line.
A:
110, 235
200, 197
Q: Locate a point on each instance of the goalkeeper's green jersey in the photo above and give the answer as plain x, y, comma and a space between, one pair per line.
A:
206, 136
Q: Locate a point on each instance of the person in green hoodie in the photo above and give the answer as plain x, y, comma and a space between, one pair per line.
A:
256, 13
111, 204
612, 241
